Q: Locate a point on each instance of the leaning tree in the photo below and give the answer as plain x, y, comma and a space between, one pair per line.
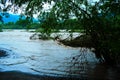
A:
100, 20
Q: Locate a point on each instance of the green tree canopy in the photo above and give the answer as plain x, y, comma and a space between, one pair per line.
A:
100, 20
23, 22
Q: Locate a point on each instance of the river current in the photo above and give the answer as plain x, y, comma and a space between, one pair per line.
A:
49, 58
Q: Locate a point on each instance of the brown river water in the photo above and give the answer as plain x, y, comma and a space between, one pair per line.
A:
49, 58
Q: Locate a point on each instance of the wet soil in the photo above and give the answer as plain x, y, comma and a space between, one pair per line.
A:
80, 41
15, 75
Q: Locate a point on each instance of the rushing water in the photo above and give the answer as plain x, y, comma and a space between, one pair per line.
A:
49, 58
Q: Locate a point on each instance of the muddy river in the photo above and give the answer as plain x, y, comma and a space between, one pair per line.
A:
50, 58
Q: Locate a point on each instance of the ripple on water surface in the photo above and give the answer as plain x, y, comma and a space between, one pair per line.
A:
46, 57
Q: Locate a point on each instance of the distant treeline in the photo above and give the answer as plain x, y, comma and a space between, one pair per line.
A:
69, 24
20, 24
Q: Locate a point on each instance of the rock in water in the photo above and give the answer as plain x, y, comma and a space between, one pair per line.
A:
3, 53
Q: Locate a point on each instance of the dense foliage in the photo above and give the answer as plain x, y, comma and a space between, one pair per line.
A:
20, 24
100, 20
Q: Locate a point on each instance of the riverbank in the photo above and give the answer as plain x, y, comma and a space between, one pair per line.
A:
15, 75
99, 73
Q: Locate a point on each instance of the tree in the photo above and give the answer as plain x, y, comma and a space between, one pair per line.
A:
23, 22
99, 20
